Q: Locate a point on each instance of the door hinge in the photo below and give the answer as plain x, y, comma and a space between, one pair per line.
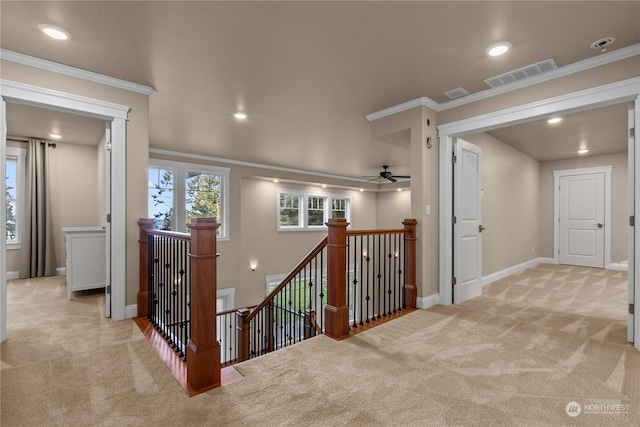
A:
454, 220
632, 309
108, 218
632, 133
454, 281
454, 159
109, 289
632, 220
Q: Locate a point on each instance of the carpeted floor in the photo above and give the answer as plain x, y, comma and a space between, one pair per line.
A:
517, 355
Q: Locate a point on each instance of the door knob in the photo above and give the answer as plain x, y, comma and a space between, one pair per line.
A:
480, 228
600, 225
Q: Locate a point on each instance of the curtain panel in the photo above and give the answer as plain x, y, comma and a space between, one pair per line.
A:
37, 257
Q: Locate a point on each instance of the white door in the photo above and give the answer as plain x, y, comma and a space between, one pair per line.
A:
107, 192
582, 220
467, 228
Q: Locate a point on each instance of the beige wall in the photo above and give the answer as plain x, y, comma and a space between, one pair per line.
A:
392, 208
619, 201
510, 212
137, 147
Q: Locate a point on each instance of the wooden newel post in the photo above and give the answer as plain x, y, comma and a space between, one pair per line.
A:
336, 321
203, 349
242, 325
410, 237
143, 286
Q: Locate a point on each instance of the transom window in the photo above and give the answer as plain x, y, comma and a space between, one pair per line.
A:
178, 192
303, 211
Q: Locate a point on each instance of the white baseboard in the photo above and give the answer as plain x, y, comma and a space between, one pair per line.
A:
428, 302
515, 269
131, 311
15, 275
617, 266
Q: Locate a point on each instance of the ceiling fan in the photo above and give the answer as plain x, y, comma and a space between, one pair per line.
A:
385, 174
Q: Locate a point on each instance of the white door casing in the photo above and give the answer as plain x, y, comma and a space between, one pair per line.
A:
117, 115
631, 272
3, 220
609, 94
582, 208
467, 208
107, 205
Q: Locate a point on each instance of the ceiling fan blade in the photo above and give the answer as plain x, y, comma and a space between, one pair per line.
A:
391, 178
402, 176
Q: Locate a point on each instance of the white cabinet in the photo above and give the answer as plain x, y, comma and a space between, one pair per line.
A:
86, 258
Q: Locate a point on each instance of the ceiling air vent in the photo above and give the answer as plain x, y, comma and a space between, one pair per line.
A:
456, 93
522, 73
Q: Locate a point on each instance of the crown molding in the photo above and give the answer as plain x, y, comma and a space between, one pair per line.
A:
253, 165
576, 67
67, 70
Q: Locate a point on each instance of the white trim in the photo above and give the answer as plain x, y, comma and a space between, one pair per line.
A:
228, 296
67, 70
20, 155
490, 278
425, 303
21, 93
607, 94
61, 271
116, 114
131, 311
557, 174
13, 275
617, 266
576, 67
251, 164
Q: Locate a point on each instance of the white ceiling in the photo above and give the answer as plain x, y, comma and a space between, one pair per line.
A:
308, 73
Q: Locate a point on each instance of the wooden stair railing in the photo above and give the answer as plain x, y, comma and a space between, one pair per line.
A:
396, 256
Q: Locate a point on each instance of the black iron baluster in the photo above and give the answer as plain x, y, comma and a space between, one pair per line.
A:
361, 296
368, 259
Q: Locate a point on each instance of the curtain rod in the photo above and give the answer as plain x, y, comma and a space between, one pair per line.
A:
24, 139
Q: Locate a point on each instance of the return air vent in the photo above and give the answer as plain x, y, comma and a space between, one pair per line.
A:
522, 73
456, 93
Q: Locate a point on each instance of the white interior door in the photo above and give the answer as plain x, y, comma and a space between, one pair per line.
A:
3, 219
107, 192
467, 228
582, 220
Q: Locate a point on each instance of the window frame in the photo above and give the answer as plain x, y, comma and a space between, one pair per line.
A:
303, 210
19, 155
180, 170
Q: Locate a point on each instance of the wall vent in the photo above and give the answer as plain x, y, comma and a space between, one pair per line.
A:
522, 73
456, 93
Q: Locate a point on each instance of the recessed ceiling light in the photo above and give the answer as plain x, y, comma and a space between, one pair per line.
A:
498, 49
324, 185
362, 190
55, 136
583, 151
399, 189
54, 32
554, 120
240, 115
276, 180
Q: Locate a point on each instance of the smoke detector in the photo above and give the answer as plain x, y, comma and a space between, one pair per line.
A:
602, 44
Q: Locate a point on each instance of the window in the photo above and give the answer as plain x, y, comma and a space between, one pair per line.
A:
301, 211
178, 192
315, 211
15, 181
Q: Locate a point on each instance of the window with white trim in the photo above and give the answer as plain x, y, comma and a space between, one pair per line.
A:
178, 192
15, 162
298, 210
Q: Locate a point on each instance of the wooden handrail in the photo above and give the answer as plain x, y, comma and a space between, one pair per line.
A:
234, 310
297, 269
375, 232
186, 237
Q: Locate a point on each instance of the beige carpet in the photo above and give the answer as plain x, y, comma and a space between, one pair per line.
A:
517, 355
